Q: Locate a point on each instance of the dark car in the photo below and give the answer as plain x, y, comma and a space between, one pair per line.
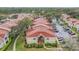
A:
70, 32
55, 30
66, 29
60, 38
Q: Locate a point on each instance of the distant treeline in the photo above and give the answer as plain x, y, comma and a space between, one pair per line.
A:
28, 10
42, 11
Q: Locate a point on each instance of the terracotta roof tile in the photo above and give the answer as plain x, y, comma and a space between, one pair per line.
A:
42, 26
2, 33
32, 32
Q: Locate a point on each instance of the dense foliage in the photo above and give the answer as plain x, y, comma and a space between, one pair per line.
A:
21, 26
40, 11
2, 17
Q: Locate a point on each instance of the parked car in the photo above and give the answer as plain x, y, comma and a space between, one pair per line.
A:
60, 38
55, 30
66, 29
70, 32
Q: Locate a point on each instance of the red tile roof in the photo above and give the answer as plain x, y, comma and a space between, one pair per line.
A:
2, 33
36, 32
41, 23
74, 21
9, 24
40, 27
46, 34
5, 28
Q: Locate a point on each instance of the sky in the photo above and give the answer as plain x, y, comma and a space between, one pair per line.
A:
39, 3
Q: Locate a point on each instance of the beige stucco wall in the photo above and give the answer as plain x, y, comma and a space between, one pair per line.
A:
31, 40
50, 40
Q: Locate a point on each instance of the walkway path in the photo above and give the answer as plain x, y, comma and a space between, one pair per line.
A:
14, 45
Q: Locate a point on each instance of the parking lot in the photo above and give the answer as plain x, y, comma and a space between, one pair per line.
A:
66, 37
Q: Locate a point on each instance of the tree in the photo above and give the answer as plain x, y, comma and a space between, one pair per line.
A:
21, 25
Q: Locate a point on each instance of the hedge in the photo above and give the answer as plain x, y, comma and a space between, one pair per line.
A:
51, 45
39, 46
33, 46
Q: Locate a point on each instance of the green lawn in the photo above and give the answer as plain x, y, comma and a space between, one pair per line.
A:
20, 43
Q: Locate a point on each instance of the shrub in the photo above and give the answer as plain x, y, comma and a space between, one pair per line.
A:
33, 44
36, 46
51, 44
39, 46
47, 44
28, 46
2, 17
54, 44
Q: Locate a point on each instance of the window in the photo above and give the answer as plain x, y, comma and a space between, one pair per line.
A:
5, 38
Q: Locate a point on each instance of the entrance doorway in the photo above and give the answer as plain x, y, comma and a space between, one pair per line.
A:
40, 40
